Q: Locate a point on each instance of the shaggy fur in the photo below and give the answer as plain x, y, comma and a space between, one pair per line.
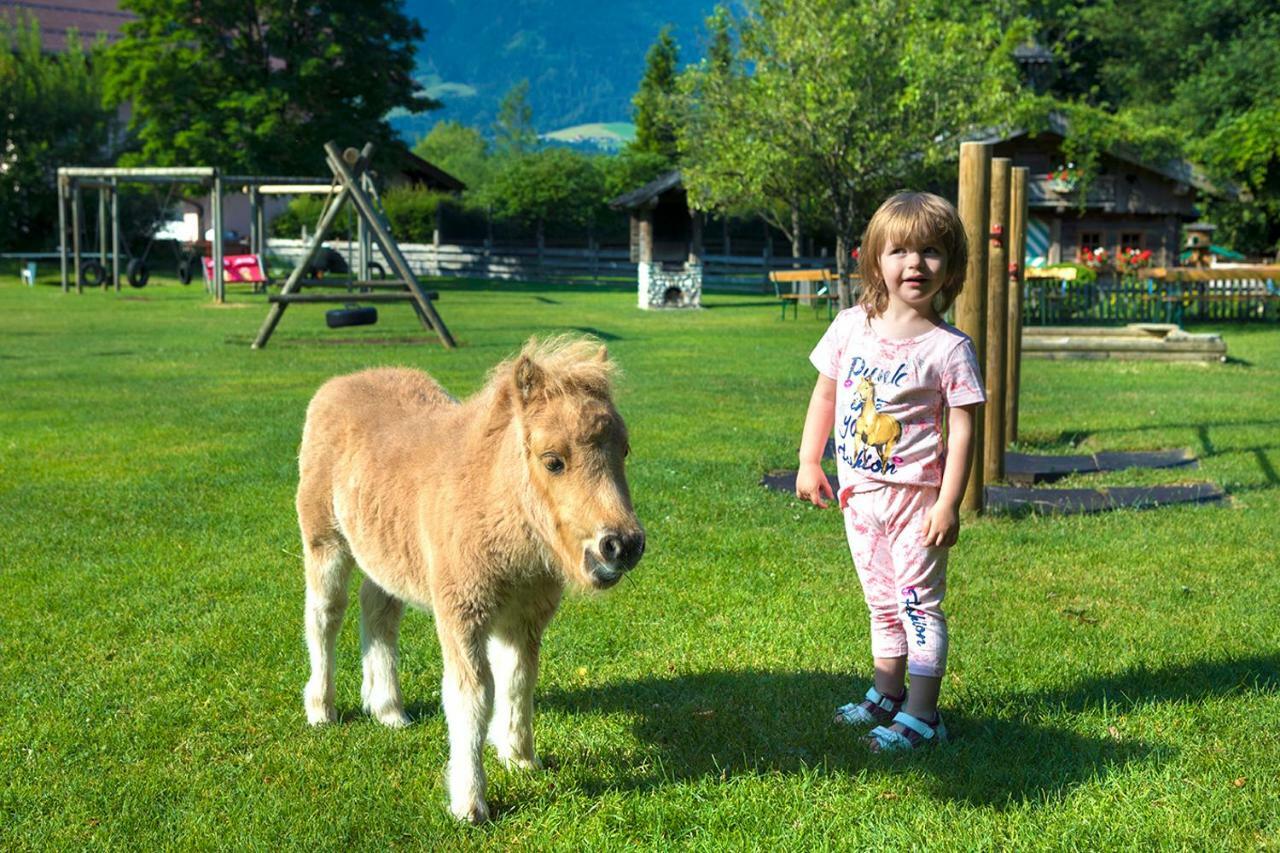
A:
478, 510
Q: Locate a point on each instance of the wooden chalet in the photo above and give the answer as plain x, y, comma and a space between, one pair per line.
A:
1128, 203
666, 243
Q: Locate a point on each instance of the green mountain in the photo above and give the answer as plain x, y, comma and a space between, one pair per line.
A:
583, 60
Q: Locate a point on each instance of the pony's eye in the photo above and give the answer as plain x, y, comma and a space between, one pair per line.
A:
553, 463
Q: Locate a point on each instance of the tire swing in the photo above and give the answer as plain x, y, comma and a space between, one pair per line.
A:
92, 273
187, 269
351, 315
137, 272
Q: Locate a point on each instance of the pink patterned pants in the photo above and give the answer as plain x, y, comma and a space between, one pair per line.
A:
902, 581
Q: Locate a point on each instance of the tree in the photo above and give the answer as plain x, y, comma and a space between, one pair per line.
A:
459, 150
261, 87
832, 105
655, 102
554, 185
513, 132
51, 115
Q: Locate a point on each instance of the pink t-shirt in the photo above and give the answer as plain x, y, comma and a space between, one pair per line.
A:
912, 381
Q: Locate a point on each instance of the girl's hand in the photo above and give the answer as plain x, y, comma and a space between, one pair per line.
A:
812, 484
941, 525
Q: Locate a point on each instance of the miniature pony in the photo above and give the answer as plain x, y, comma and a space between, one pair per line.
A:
480, 511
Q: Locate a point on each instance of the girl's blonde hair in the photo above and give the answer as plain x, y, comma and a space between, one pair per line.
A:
913, 219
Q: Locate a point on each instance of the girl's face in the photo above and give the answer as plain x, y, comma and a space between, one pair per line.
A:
913, 274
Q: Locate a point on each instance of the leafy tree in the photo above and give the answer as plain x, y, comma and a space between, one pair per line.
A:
655, 102
834, 104
459, 150
260, 87
631, 168
554, 185
513, 132
51, 115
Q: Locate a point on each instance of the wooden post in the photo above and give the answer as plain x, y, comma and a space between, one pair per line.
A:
219, 286
76, 226
1017, 275
62, 231
695, 237
646, 235
997, 320
115, 234
102, 225
971, 306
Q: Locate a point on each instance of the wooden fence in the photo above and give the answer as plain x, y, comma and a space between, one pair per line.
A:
1156, 296
597, 266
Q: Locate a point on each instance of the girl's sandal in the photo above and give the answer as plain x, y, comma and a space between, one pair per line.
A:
876, 708
918, 733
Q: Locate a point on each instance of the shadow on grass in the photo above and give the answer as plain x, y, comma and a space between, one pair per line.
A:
725, 723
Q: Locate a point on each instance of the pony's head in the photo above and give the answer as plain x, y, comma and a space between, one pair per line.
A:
574, 445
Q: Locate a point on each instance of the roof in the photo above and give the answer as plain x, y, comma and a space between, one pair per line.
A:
647, 193
88, 17
419, 171
1179, 170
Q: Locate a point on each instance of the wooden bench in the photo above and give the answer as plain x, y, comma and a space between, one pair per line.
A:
813, 287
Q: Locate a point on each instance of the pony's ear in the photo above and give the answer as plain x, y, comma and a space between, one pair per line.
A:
529, 378
603, 355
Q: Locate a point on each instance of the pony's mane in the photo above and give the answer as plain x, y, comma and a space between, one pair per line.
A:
569, 364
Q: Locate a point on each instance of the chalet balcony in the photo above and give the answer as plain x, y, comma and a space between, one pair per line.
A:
1045, 193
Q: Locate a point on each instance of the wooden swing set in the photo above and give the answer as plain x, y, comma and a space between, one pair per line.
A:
352, 184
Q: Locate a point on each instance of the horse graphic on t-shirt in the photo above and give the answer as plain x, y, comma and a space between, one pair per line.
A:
873, 429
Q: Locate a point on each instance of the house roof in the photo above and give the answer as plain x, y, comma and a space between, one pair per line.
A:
1179, 170
57, 18
643, 195
419, 171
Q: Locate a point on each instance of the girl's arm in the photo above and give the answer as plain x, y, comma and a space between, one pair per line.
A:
811, 481
942, 524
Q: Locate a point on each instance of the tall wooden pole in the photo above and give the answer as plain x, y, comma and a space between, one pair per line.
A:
997, 320
215, 202
971, 306
1017, 273
77, 225
62, 230
115, 234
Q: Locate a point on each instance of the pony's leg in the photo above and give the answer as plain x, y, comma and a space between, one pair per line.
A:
467, 694
513, 655
514, 659
328, 566
380, 614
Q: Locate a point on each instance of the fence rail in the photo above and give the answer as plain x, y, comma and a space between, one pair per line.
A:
724, 273
1169, 299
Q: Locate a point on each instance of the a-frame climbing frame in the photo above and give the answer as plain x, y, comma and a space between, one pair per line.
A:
348, 170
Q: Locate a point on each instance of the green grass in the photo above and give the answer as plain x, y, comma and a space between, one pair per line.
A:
1113, 679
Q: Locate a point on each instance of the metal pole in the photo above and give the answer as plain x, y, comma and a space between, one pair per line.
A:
115, 234
62, 229
997, 320
219, 286
971, 306
363, 252
76, 225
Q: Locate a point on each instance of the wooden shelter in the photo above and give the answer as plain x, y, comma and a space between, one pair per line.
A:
666, 243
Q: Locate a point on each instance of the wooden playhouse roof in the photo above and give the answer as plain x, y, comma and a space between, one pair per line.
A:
642, 196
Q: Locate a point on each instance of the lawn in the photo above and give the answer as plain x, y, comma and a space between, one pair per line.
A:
1113, 679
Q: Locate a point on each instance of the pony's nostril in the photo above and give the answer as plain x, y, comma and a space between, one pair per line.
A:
611, 548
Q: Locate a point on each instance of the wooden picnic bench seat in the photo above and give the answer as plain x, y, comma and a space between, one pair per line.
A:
813, 287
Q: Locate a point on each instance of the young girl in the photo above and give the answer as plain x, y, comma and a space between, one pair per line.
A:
900, 387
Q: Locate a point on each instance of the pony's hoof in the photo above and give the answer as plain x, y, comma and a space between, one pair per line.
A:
474, 814
319, 715
515, 763
394, 719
